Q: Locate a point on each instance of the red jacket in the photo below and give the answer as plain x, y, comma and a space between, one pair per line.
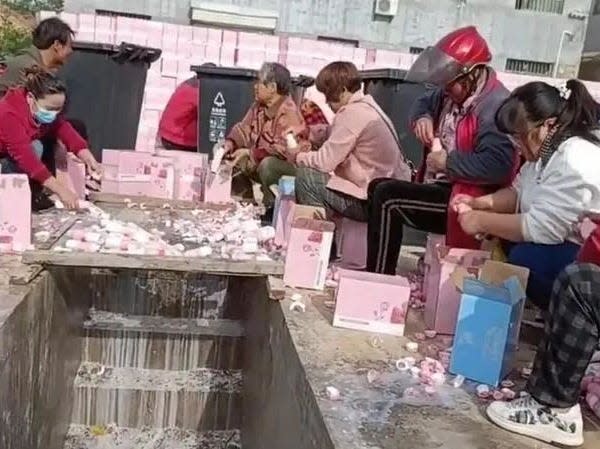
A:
18, 130
590, 251
485, 159
179, 121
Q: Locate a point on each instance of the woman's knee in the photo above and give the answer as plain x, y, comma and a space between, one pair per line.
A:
307, 190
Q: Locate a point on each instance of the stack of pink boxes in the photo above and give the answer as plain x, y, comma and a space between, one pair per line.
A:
15, 222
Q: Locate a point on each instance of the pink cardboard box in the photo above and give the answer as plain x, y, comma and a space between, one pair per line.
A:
15, 222
190, 169
286, 206
299, 211
76, 176
137, 173
217, 187
308, 253
353, 244
441, 309
372, 302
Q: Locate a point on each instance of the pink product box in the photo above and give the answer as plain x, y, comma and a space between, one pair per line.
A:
138, 173
217, 188
308, 254
300, 211
190, 169
372, 302
353, 244
443, 301
76, 176
15, 222
286, 207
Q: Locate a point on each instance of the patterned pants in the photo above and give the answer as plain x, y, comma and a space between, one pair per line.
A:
571, 337
311, 190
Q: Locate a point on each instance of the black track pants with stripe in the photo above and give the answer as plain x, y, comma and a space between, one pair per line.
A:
394, 204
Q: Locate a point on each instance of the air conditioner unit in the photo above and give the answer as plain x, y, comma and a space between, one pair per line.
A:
386, 7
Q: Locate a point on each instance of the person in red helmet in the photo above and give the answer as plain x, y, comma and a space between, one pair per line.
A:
464, 150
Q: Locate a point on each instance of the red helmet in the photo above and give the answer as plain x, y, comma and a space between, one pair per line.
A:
456, 54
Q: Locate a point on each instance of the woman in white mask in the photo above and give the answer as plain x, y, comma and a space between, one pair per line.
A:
29, 113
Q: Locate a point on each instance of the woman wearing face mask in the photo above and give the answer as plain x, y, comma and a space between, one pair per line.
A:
556, 132
465, 151
29, 114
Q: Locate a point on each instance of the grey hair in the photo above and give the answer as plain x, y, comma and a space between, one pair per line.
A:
272, 72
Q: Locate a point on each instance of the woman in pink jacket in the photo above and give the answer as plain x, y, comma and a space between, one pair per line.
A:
359, 146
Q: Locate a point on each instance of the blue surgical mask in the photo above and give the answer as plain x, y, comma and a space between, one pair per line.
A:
45, 117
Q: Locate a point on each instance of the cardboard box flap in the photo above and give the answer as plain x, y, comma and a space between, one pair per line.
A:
474, 287
515, 288
492, 272
497, 273
313, 225
312, 212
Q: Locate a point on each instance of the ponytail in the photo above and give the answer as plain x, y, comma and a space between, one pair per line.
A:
40, 82
580, 113
575, 110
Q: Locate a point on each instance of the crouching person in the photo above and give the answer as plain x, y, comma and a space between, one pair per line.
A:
359, 146
551, 411
557, 133
258, 144
29, 114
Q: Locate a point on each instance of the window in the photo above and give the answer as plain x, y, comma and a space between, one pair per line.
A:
104, 12
416, 50
549, 6
529, 67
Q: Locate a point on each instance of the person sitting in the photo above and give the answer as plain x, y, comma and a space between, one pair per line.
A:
360, 145
257, 144
556, 131
551, 412
178, 126
475, 156
52, 46
28, 114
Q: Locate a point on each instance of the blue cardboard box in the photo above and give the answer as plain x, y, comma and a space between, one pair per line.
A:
487, 330
287, 188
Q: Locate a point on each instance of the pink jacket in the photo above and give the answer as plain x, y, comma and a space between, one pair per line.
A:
359, 149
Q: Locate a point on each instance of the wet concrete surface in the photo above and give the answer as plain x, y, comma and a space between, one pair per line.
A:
379, 414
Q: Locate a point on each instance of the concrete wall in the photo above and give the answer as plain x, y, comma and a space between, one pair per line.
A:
417, 23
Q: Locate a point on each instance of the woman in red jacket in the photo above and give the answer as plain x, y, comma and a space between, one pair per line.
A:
29, 114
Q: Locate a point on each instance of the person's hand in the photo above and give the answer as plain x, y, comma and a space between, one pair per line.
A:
68, 198
593, 216
470, 222
239, 155
436, 161
228, 146
461, 199
297, 130
93, 167
423, 129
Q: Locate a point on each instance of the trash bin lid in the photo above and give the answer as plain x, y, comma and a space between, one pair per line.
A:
303, 81
232, 72
378, 74
126, 52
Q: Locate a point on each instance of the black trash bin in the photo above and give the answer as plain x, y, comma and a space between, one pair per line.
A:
396, 96
226, 94
105, 85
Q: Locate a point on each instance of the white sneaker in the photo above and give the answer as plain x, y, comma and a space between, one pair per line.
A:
528, 417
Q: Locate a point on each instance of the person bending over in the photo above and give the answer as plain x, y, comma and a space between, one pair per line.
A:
557, 133
470, 155
31, 113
